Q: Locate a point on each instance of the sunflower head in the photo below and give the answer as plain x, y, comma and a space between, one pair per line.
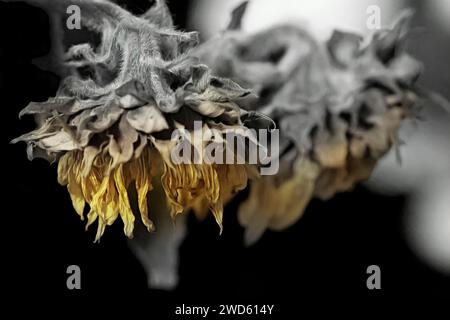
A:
338, 106
112, 131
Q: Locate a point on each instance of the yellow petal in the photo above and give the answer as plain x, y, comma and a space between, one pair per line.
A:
124, 204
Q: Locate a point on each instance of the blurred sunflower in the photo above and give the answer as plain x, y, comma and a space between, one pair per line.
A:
338, 106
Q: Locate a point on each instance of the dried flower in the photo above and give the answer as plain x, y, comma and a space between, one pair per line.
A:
338, 105
110, 124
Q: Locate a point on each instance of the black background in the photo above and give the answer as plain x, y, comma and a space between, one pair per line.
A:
324, 256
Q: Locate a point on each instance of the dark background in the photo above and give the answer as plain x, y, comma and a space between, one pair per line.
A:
324, 256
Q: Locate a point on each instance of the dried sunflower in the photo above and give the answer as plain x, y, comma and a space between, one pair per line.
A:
109, 126
338, 105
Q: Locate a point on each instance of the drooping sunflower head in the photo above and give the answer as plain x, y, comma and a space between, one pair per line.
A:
338, 106
111, 132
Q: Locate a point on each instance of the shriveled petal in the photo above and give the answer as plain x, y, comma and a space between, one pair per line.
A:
343, 47
147, 119
278, 204
122, 149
